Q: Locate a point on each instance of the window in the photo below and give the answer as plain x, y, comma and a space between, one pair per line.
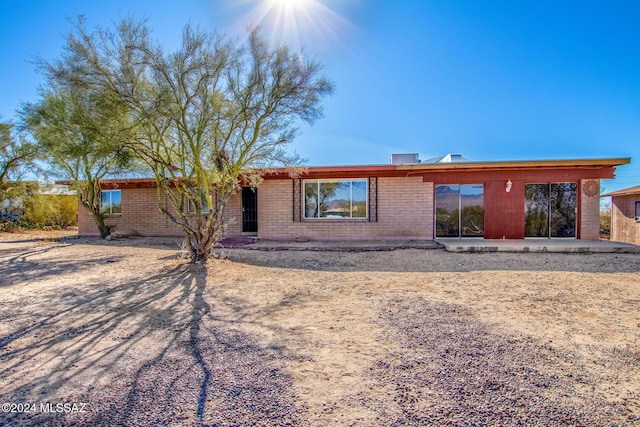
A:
638, 211
460, 210
550, 209
203, 203
335, 199
111, 202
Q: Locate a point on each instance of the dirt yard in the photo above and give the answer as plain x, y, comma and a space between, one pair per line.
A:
125, 333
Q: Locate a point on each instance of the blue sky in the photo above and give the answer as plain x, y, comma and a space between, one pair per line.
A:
492, 80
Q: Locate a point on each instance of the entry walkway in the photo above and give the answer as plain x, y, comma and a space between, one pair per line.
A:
538, 245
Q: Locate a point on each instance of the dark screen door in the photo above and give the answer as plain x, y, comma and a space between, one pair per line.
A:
249, 210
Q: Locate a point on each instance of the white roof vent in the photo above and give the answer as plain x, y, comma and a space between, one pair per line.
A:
452, 158
404, 159
449, 158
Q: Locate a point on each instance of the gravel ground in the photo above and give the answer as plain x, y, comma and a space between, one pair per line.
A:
404, 337
479, 377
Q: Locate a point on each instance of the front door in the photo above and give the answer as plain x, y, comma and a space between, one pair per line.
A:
249, 210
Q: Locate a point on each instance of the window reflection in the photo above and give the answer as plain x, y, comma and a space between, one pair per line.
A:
111, 201
204, 204
311, 201
359, 199
563, 199
335, 199
550, 209
447, 210
472, 215
536, 210
460, 210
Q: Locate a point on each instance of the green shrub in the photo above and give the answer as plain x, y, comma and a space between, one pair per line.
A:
66, 213
44, 210
38, 210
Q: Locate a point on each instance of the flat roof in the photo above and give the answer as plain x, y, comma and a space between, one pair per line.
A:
401, 170
624, 192
462, 166
522, 164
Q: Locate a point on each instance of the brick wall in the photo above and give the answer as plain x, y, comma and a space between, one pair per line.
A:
86, 225
233, 215
624, 227
141, 216
589, 213
405, 210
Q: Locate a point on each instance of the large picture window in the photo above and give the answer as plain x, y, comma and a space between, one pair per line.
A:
638, 211
335, 199
111, 202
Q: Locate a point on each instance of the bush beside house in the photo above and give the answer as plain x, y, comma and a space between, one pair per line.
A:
49, 210
39, 206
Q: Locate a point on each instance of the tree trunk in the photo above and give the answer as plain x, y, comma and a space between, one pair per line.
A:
90, 199
201, 242
104, 229
201, 254
199, 248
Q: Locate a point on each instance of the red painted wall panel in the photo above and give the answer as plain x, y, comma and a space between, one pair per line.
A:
528, 176
504, 212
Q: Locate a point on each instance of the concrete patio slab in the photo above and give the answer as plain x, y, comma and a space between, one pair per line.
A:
451, 245
538, 245
328, 245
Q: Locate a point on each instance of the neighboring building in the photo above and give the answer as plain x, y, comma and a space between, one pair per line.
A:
55, 189
625, 215
408, 199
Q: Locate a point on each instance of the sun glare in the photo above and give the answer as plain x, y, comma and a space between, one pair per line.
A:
288, 3
300, 23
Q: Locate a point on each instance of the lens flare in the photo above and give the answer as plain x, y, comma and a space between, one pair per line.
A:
308, 23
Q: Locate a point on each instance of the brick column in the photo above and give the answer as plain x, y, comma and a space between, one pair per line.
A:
589, 209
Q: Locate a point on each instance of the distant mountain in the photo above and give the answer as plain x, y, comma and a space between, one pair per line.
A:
446, 198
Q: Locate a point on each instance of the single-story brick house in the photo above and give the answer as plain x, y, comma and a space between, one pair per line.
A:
625, 215
407, 199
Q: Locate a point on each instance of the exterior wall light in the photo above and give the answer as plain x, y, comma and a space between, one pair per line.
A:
509, 184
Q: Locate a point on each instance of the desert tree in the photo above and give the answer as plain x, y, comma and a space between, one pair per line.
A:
605, 218
210, 116
84, 136
17, 154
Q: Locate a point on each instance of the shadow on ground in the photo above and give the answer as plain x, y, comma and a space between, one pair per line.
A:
154, 351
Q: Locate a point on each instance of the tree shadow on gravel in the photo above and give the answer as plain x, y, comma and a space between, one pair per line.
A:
416, 260
157, 351
454, 370
128, 241
20, 266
